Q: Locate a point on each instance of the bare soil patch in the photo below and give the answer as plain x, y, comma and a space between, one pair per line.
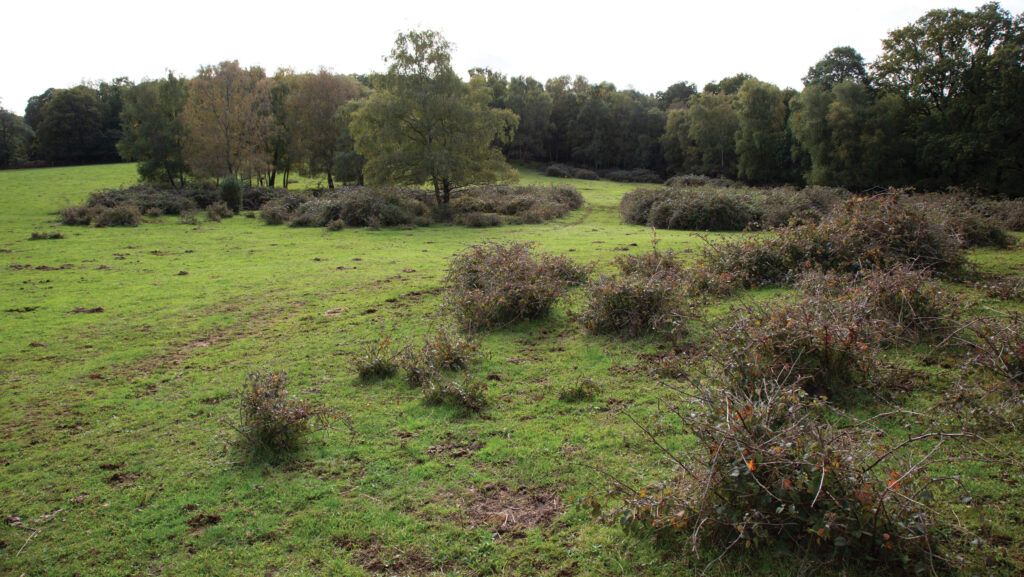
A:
512, 511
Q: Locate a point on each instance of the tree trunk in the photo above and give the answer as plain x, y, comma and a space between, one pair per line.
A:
273, 177
437, 190
447, 189
330, 180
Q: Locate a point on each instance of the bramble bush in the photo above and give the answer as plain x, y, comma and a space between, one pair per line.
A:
444, 350
120, 215
647, 297
470, 397
720, 208
771, 471
878, 232
272, 421
496, 284
907, 305
378, 360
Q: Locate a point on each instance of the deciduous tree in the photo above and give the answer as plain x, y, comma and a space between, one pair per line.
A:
229, 121
423, 123
153, 129
314, 112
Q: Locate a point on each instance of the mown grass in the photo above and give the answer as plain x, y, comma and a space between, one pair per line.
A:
116, 450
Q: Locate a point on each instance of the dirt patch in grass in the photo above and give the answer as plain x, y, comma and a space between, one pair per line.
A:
380, 560
85, 310
454, 450
511, 511
122, 480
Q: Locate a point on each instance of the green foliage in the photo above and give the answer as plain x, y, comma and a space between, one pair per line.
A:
953, 69
70, 128
712, 125
271, 421
496, 284
119, 215
15, 139
423, 124
841, 64
762, 144
853, 137
154, 133
230, 192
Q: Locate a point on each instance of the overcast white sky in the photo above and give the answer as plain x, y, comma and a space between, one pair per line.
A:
642, 44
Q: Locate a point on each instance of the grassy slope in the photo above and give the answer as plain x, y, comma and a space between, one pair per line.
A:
115, 432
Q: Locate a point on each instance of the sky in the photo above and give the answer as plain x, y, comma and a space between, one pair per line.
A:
639, 44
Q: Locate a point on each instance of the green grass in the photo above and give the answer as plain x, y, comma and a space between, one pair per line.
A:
116, 425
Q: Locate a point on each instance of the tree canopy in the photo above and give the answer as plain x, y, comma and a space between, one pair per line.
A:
424, 124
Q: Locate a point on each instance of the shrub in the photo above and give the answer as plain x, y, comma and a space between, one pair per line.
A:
80, 215
316, 212
706, 209
558, 171
635, 206
688, 181
230, 193
634, 175
468, 396
188, 217
218, 210
445, 350
695, 180
568, 271
910, 304
45, 236
501, 283
585, 174
448, 350
998, 346
648, 298
879, 232
378, 360
275, 212
479, 219
770, 471
146, 198
787, 207
122, 215
522, 204
830, 347
271, 420
584, 389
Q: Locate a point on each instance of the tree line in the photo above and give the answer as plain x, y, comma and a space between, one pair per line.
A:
940, 107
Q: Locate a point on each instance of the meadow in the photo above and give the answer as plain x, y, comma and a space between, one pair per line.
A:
123, 350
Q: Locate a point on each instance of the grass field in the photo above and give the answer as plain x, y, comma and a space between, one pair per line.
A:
116, 448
